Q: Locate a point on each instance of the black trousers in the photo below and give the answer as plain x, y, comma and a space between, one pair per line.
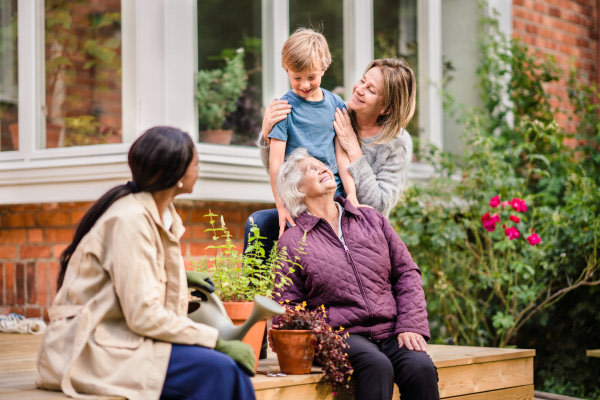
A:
379, 364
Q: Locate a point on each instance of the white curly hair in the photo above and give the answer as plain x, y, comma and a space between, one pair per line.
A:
288, 180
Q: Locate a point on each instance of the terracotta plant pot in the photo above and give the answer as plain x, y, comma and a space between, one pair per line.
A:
295, 350
217, 136
52, 135
239, 312
14, 135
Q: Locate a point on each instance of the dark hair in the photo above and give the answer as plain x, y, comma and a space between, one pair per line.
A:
158, 159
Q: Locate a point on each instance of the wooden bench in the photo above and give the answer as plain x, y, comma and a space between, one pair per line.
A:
593, 353
465, 373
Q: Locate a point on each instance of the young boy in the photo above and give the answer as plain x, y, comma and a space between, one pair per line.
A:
305, 57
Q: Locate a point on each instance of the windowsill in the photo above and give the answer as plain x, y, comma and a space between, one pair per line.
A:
226, 173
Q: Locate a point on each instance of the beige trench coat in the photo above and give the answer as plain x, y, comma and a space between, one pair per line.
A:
123, 302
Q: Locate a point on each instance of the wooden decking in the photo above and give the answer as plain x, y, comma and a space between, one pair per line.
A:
465, 373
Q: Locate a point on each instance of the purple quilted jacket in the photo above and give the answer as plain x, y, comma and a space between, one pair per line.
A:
369, 286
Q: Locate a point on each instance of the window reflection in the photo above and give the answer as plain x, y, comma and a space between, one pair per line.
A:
229, 106
9, 128
83, 72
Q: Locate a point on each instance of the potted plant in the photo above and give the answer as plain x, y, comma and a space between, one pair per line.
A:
217, 94
328, 345
239, 277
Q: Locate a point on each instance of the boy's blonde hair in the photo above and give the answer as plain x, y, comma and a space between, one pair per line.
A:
304, 50
399, 97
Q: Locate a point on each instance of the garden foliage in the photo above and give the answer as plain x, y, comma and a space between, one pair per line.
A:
483, 285
241, 276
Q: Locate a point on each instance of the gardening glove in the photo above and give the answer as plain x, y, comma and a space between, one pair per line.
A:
200, 280
241, 353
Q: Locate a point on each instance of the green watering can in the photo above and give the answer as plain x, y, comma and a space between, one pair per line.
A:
209, 310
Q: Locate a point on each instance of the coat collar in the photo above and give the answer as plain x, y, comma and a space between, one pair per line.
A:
146, 199
307, 221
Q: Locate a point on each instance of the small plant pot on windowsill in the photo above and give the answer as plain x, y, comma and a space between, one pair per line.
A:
52, 135
14, 135
295, 350
217, 136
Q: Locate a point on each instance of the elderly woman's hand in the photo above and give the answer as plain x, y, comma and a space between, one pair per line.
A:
275, 112
412, 341
346, 135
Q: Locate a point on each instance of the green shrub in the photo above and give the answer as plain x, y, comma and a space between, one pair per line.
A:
483, 288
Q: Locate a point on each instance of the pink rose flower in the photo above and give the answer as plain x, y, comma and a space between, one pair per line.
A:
494, 201
514, 219
512, 233
518, 205
489, 222
533, 239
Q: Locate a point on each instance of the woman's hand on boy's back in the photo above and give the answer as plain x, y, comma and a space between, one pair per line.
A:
275, 112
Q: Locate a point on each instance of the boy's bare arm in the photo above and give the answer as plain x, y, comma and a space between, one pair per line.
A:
276, 158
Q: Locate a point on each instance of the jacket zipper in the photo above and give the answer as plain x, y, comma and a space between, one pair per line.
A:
349, 256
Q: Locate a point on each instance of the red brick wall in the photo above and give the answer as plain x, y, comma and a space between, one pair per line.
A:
33, 236
565, 29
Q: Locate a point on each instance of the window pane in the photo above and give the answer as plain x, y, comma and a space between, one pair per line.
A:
395, 26
83, 72
326, 17
228, 105
9, 128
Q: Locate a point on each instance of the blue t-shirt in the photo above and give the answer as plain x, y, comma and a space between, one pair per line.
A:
310, 125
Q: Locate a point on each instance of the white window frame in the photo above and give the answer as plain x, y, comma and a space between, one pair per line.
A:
158, 75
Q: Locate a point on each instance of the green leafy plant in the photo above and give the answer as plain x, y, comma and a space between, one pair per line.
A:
329, 347
238, 276
218, 91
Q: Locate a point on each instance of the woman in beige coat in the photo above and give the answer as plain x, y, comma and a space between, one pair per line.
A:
119, 325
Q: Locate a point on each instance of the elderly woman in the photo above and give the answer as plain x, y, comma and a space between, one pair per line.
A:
119, 324
382, 104
355, 264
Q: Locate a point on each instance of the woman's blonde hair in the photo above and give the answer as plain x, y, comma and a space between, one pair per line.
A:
399, 97
304, 50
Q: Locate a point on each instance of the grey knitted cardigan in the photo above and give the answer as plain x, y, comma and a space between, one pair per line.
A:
380, 174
